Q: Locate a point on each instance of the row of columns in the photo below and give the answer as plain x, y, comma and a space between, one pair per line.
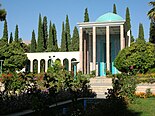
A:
85, 51
46, 65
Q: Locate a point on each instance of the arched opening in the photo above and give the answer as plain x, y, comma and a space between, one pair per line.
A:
35, 66
72, 66
58, 60
28, 66
42, 65
49, 63
66, 64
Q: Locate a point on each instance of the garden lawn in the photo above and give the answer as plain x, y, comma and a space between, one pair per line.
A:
145, 107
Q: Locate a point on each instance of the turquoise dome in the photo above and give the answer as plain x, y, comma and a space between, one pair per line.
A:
109, 17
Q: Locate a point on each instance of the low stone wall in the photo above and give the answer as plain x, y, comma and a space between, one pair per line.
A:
144, 86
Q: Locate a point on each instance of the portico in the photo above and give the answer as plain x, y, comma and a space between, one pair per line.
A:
100, 43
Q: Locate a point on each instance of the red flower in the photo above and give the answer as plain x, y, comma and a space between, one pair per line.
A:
9, 75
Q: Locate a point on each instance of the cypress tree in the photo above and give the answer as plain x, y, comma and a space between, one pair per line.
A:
152, 33
45, 33
11, 38
75, 40
33, 43
67, 34
5, 31
63, 39
55, 44
50, 39
86, 16
16, 34
114, 9
128, 23
141, 32
40, 45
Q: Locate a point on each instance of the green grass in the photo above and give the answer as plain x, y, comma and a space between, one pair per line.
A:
145, 107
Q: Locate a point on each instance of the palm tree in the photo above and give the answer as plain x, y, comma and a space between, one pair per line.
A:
2, 14
151, 13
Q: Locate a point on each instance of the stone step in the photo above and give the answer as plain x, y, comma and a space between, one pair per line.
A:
100, 89
100, 80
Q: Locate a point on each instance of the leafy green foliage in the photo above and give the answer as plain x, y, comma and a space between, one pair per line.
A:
55, 44
151, 13
5, 31
64, 45
152, 33
86, 16
2, 14
141, 33
124, 86
50, 39
16, 34
138, 58
11, 38
33, 43
75, 40
128, 24
45, 32
67, 34
40, 43
13, 56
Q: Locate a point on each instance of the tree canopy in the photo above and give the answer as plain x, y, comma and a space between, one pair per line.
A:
2, 14
86, 16
138, 58
33, 43
13, 56
114, 9
141, 32
151, 13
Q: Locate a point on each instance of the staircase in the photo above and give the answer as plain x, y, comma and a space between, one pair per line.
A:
99, 85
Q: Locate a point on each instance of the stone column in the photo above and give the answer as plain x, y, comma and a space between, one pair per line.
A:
129, 37
122, 39
69, 63
31, 66
94, 48
46, 65
81, 49
90, 53
38, 66
107, 48
85, 52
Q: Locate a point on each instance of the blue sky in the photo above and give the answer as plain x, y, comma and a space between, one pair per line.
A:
25, 13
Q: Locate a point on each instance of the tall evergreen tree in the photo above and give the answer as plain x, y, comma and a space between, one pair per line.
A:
141, 33
63, 39
114, 9
75, 40
33, 43
50, 39
16, 34
152, 33
55, 44
2, 14
40, 43
67, 34
45, 33
11, 38
128, 24
5, 31
86, 16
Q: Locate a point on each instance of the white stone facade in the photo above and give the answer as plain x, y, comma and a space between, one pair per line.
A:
54, 56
